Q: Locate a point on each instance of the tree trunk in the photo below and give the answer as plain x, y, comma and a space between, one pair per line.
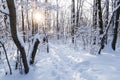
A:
57, 23
100, 21
33, 26
106, 16
23, 21
34, 50
94, 21
27, 18
12, 15
73, 21
100, 24
116, 25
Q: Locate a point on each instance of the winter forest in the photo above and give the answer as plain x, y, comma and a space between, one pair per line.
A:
59, 39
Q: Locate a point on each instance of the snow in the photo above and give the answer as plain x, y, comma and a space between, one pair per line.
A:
20, 39
65, 63
5, 11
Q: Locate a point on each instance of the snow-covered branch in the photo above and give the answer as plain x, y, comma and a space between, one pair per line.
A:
4, 12
107, 27
110, 20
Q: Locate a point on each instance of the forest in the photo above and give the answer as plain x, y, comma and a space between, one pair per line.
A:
59, 39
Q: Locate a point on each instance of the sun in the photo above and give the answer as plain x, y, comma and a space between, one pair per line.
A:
38, 17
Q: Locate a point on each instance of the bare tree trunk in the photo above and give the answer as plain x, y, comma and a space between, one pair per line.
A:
12, 14
58, 36
28, 24
46, 24
116, 25
94, 21
23, 21
100, 24
106, 16
73, 21
34, 50
100, 21
33, 26
108, 25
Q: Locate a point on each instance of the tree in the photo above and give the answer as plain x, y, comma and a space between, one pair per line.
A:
73, 21
94, 20
116, 24
14, 32
34, 50
23, 25
106, 16
117, 8
100, 24
100, 21
58, 29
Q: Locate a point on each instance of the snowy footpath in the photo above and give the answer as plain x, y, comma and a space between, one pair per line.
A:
65, 63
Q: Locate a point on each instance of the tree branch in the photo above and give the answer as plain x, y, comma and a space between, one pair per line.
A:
6, 57
108, 26
4, 13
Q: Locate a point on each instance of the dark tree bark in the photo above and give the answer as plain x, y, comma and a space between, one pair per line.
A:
108, 25
116, 26
12, 17
58, 36
78, 14
73, 21
33, 26
106, 16
34, 50
100, 21
23, 27
100, 24
94, 20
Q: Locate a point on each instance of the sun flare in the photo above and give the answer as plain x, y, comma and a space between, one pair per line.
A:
38, 17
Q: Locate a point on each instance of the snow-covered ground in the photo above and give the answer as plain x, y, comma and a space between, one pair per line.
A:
65, 63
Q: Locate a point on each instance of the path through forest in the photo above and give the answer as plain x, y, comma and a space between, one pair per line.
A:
65, 63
